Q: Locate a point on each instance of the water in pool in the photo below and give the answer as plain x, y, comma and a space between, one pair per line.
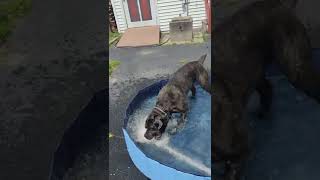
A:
189, 150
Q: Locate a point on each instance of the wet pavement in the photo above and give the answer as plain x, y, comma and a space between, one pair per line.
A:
139, 68
56, 62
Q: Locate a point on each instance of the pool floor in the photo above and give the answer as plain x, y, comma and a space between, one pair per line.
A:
286, 144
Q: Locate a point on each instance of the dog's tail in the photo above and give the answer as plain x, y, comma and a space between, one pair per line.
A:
202, 59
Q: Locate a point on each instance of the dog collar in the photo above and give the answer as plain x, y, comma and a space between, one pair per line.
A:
162, 111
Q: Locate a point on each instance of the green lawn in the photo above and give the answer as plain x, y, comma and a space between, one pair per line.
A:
10, 11
113, 64
113, 37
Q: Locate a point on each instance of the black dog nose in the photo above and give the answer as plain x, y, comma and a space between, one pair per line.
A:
147, 136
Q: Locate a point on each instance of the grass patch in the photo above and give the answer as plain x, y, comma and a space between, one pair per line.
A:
10, 11
114, 136
206, 37
111, 135
198, 38
113, 36
113, 64
183, 61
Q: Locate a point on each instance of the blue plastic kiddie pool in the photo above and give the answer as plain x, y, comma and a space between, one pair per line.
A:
185, 155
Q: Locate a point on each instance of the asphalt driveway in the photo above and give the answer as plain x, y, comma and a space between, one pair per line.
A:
55, 62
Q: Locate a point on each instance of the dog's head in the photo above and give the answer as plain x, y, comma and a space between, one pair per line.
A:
155, 124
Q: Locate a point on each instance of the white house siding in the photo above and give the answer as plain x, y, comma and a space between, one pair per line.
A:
119, 14
198, 12
168, 9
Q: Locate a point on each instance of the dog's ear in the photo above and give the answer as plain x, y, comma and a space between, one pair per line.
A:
148, 121
202, 58
207, 69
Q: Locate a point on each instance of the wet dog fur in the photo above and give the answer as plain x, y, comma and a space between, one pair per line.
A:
173, 97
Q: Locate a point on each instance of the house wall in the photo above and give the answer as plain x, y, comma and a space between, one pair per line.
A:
167, 9
119, 14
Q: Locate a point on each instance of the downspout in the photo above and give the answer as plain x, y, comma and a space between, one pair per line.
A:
208, 13
185, 7
186, 2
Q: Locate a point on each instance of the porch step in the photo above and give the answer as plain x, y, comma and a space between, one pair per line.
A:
140, 36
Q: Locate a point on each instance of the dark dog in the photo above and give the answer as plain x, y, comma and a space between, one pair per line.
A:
172, 98
261, 33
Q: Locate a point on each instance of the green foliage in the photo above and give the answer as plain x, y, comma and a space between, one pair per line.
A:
10, 11
113, 35
113, 64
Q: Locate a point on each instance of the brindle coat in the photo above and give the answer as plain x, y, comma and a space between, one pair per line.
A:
173, 97
260, 33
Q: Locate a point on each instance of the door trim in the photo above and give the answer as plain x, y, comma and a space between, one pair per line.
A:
153, 7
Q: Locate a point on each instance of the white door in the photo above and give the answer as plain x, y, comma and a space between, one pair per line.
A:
140, 12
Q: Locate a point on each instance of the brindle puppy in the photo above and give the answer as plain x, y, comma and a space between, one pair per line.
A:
244, 45
173, 97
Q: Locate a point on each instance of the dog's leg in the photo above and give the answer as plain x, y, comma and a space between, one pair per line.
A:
264, 89
182, 120
193, 90
182, 107
203, 79
230, 142
180, 124
222, 126
230, 129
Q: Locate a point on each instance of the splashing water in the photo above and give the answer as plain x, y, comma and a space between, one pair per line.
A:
194, 163
189, 150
